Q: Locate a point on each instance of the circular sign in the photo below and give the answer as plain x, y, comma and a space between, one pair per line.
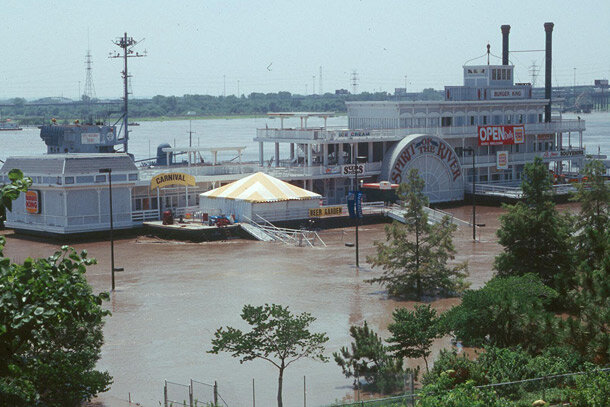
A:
436, 162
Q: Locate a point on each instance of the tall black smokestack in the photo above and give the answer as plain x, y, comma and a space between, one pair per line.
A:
548, 65
505, 30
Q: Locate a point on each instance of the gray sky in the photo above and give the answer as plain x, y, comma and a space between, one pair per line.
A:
192, 44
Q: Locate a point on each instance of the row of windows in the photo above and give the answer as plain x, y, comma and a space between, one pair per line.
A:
80, 179
446, 121
501, 74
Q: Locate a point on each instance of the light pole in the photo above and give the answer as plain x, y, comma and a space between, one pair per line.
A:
356, 199
474, 204
112, 268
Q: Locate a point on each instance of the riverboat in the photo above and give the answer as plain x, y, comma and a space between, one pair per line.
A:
475, 141
9, 125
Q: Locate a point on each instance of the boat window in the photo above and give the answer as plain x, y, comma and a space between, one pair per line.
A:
119, 177
69, 180
508, 74
133, 177
84, 179
493, 74
100, 178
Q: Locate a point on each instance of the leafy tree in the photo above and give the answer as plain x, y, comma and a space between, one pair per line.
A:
50, 332
414, 331
591, 390
276, 335
368, 357
415, 256
10, 192
535, 237
507, 311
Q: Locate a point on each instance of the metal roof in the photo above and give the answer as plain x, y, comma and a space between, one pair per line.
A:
69, 164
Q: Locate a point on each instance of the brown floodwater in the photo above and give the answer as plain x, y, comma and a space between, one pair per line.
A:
172, 296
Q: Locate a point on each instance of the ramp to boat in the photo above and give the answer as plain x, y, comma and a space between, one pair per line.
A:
434, 216
256, 232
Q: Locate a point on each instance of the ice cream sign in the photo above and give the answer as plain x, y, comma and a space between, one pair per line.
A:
500, 135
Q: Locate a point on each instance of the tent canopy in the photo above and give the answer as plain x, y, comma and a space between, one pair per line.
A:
260, 187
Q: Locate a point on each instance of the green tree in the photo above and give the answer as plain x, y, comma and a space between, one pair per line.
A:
415, 256
591, 390
507, 311
10, 192
414, 331
50, 332
276, 335
535, 237
369, 358
593, 221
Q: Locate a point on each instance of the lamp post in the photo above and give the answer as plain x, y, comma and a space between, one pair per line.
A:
474, 205
112, 268
356, 198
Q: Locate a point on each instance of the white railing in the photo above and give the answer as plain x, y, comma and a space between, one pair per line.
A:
445, 132
145, 215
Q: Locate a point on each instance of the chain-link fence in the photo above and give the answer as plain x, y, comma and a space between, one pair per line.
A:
195, 394
553, 389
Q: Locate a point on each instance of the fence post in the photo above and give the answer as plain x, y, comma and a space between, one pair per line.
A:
412, 389
253, 394
215, 393
304, 391
165, 394
191, 393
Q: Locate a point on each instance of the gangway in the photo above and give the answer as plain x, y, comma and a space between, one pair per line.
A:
435, 216
268, 232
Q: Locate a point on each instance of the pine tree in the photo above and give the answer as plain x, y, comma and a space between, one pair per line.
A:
415, 255
536, 238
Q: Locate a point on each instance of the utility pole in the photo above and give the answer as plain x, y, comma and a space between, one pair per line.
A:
126, 44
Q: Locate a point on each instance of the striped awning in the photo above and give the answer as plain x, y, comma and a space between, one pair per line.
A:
261, 187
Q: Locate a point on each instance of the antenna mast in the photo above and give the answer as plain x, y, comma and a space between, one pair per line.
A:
89, 91
354, 82
127, 44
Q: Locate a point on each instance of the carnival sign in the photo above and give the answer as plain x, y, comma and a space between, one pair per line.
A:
501, 135
173, 178
502, 160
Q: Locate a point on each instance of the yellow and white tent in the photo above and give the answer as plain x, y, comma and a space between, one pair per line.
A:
260, 194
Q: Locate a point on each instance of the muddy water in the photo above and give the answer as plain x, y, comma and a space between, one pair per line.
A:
173, 296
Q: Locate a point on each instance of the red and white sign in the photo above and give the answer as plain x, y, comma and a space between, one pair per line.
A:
501, 135
32, 201
90, 138
502, 160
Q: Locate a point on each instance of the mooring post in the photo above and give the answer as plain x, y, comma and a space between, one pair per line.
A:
215, 393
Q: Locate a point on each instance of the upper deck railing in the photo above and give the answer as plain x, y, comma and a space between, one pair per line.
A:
339, 134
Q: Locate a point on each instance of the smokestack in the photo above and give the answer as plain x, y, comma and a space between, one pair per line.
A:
505, 30
548, 65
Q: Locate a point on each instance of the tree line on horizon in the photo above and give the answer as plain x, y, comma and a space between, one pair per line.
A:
39, 112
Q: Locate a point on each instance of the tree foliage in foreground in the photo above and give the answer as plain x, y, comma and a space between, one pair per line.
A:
50, 332
10, 192
276, 335
507, 311
587, 327
414, 331
368, 358
415, 256
535, 237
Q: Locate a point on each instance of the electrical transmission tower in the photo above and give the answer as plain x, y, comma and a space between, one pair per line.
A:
354, 82
89, 91
126, 44
320, 82
534, 69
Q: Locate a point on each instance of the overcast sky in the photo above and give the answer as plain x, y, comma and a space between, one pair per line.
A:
269, 46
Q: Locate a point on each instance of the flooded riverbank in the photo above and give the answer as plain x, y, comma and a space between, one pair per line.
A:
172, 296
